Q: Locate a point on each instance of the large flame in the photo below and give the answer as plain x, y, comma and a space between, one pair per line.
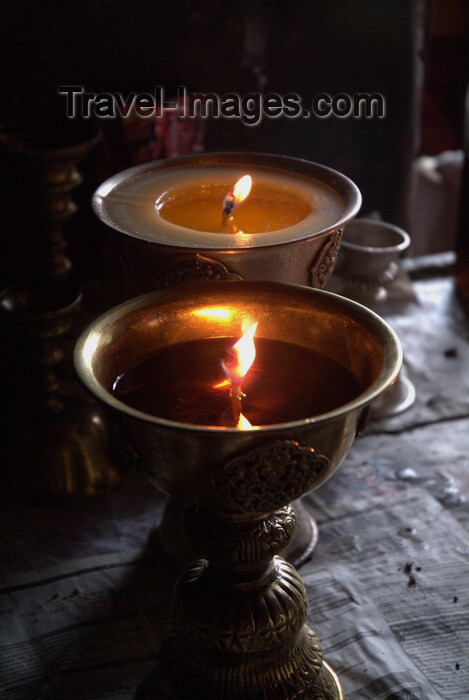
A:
237, 361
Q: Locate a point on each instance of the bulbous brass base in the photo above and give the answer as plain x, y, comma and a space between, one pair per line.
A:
157, 687
240, 631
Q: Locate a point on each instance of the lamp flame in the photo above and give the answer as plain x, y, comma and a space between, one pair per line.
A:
237, 195
237, 360
243, 423
242, 189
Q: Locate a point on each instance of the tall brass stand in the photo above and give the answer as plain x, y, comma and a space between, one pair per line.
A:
240, 627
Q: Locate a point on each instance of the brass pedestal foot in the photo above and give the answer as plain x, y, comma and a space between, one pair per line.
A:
157, 687
398, 398
240, 631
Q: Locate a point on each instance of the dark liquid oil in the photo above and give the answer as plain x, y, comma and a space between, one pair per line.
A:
186, 383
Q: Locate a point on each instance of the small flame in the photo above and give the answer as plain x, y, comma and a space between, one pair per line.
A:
242, 189
243, 423
237, 360
237, 195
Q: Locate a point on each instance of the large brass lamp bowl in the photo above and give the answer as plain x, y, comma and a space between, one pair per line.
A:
240, 627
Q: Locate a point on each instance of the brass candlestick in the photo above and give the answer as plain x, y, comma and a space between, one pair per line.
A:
43, 158
55, 439
62, 446
240, 629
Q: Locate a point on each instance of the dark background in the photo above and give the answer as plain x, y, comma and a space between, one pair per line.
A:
264, 46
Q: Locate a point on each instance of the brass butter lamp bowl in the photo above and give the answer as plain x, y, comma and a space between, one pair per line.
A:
158, 254
240, 610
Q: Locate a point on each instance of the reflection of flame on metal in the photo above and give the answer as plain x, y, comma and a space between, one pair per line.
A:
237, 195
214, 312
90, 346
236, 362
223, 384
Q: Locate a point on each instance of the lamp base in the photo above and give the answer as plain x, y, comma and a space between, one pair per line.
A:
398, 398
240, 615
63, 456
156, 686
175, 545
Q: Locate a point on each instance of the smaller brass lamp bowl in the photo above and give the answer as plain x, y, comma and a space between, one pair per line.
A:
240, 627
370, 256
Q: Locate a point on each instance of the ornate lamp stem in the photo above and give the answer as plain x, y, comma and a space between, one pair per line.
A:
240, 629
